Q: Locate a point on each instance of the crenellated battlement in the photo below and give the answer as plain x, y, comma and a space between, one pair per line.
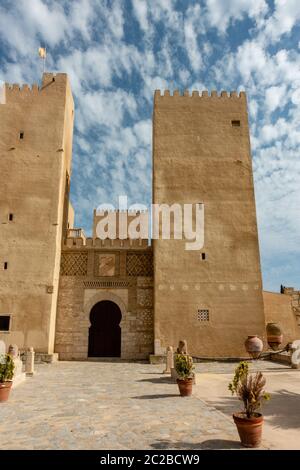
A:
223, 95
20, 90
16, 88
74, 243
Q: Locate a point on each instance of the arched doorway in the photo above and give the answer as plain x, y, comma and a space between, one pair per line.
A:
105, 331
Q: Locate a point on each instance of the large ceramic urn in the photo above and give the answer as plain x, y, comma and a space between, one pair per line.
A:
254, 346
274, 335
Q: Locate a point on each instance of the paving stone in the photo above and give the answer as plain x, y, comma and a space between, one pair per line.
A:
102, 405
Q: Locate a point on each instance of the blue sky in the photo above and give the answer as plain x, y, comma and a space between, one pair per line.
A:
118, 52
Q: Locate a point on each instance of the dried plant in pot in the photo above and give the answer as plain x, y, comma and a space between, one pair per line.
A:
6, 375
184, 368
249, 388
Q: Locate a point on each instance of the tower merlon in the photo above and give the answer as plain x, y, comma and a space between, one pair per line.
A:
159, 94
16, 90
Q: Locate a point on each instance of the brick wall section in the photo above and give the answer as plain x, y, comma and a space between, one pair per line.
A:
72, 326
295, 301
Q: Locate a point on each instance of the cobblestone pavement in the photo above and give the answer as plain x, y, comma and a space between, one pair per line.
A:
90, 405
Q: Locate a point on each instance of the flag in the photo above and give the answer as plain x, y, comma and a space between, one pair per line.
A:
42, 52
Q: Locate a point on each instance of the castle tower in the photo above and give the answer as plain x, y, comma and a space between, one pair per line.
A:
36, 128
201, 154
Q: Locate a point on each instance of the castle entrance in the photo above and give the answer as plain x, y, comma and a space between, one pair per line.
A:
105, 330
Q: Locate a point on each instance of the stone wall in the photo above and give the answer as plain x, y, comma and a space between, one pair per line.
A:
295, 301
201, 154
279, 309
35, 166
86, 280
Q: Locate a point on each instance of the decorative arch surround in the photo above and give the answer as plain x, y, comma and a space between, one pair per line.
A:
124, 324
78, 296
105, 295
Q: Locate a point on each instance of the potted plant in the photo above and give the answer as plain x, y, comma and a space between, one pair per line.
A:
6, 375
249, 388
184, 368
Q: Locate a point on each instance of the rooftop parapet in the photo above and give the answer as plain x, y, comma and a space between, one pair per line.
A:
25, 90
223, 95
76, 233
74, 243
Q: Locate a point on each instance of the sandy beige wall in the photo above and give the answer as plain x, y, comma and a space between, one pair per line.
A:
82, 286
278, 309
33, 174
198, 156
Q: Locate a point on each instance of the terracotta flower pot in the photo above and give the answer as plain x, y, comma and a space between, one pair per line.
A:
249, 429
185, 387
254, 346
274, 335
5, 390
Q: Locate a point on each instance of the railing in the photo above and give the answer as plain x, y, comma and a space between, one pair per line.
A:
75, 233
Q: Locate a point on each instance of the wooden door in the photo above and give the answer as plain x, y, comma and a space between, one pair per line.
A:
105, 331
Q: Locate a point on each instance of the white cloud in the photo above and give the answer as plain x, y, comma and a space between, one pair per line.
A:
49, 22
250, 59
253, 108
143, 131
184, 76
192, 26
104, 108
154, 83
275, 97
220, 13
270, 132
81, 17
295, 97
140, 9
115, 20
192, 46
282, 21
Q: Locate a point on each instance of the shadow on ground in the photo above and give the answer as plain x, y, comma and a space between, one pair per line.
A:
151, 373
159, 380
208, 444
153, 397
282, 411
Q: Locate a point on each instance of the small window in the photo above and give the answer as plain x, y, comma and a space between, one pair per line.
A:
10, 217
236, 123
203, 315
22, 135
203, 256
4, 322
5, 265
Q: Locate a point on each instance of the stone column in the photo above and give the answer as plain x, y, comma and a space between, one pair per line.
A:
169, 360
29, 365
19, 375
295, 357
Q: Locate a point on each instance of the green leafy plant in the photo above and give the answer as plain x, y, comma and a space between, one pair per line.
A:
184, 366
6, 368
249, 388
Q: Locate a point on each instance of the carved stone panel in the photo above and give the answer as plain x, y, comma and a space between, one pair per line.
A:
73, 264
107, 265
139, 264
145, 297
